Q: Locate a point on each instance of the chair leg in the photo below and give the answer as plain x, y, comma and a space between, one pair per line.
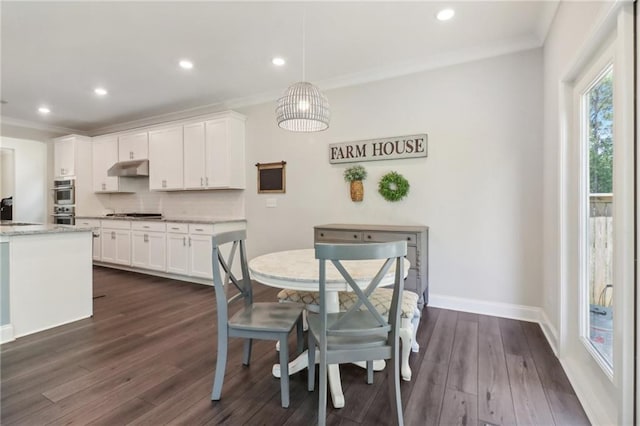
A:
415, 322
322, 400
284, 371
300, 335
405, 338
246, 353
221, 364
311, 365
393, 377
369, 372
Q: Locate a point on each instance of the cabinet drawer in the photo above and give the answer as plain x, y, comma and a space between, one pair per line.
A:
93, 223
338, 236
178, 228
148, 226
201, 229
384, 237
116, 224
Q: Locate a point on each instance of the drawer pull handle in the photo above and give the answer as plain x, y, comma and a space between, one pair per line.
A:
355, 236
369, 236
175, 228
146, 227
200, 229
322, 234
408, 238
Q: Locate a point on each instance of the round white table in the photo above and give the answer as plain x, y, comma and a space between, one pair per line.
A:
299, 270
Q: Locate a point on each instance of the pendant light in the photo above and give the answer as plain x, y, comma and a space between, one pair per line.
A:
303, 108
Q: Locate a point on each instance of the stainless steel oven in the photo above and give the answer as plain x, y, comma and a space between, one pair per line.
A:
64, 192
64, 215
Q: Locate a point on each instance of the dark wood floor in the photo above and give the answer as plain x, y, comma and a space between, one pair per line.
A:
148, 355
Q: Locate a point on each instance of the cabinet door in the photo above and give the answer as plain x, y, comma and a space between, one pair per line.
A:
97, 246
108, 243
139, 249
133, 146
177, 254
123, 247
217, 154
105, 155
165, 159
157, 245
194, 156
200, 256
64, 157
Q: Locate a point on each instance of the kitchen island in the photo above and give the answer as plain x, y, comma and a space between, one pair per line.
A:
46, 277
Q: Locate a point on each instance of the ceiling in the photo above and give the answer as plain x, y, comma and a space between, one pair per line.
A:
56, 53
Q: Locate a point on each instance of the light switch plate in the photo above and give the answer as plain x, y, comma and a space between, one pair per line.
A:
272, 202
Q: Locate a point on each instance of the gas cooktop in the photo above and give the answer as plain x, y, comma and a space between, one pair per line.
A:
137, 215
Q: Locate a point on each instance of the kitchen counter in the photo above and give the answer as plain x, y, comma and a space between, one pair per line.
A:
194, 219
7, 229
47, 277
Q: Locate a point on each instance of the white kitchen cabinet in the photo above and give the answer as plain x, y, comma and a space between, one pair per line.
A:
200, 256
148, 245
177, 252
166, 159
97, 244
116, 242
194, 156
65, 154
214, 153
133, 146
105, 155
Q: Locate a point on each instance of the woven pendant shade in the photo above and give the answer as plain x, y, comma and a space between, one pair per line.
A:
303, 108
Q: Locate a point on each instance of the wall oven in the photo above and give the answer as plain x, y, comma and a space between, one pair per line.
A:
64, 192
64, 215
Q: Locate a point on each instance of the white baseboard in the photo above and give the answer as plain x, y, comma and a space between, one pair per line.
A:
592, 406
484, 307
498, 309
6, 333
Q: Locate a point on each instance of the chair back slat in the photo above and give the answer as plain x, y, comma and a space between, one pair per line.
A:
222, 266
342, 325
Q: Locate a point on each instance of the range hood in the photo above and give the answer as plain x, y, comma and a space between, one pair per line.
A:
130, 168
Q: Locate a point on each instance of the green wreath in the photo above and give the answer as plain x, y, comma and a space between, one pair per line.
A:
393, 186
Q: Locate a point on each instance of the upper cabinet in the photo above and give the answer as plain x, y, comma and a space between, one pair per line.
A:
214, 153
133, 146
65, 151
105, 155
165, 159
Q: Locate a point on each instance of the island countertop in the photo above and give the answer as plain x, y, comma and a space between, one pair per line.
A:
8, 229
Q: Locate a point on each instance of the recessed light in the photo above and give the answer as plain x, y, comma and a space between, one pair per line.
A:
277, 61
100, 91
445, 14
44, 110
187, 65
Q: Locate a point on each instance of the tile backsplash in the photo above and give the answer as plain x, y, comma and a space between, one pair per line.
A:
214, 204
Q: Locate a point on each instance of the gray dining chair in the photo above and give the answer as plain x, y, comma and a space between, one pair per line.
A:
264, 321
358, 334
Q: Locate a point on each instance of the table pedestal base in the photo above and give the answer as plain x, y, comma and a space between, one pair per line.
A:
335, 386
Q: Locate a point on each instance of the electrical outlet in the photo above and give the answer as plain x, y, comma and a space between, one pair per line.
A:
272, 202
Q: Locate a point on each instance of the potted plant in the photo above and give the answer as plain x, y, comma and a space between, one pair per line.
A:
355, 175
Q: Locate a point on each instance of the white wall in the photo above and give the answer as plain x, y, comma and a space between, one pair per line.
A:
30, 199
572, 24
479, 190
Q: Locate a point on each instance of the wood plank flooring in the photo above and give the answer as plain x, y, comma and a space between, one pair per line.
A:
147, 357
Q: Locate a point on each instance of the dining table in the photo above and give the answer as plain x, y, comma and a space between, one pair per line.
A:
299, 270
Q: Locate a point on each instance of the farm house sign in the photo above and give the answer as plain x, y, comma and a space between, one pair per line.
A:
379, 149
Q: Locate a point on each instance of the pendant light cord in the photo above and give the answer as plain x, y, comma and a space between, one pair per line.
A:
304, 16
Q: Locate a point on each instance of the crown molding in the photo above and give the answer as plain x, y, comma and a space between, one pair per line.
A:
40, 126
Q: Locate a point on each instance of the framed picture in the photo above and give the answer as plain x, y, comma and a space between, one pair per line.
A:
272, 177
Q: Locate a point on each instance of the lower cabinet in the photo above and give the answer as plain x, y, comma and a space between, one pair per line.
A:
149, 245
176, 248
97, 239
116, 246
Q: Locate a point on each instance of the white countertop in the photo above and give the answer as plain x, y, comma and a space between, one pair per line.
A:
13, 230
184, 219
